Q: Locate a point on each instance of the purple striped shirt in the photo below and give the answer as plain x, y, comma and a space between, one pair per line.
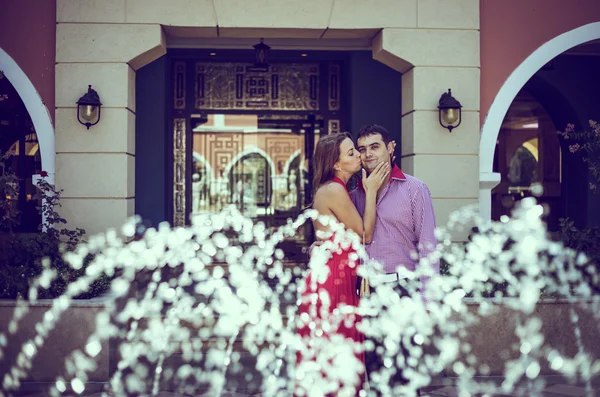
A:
405, 223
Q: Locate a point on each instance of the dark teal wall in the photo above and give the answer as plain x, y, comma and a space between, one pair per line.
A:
151, 142
374, 94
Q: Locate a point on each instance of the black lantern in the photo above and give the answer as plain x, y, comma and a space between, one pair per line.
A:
88, 108
450, 111
261, 50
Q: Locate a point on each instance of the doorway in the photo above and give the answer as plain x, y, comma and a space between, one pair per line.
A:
245, 135
529, 159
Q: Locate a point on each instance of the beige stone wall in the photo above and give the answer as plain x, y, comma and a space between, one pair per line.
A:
435, 43
440, 51
96, 167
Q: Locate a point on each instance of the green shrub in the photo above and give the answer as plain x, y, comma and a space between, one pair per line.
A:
21, 255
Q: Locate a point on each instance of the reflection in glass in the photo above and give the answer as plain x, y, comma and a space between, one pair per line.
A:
257, 165
522, 168
250, 185
528, 157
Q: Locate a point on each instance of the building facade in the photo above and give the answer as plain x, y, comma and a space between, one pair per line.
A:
188, 124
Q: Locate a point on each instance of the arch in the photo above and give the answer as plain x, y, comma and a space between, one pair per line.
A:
249, 150
37, 111
200, 158
289, 161
507, 93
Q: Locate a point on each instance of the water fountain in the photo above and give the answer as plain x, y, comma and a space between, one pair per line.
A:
212, 308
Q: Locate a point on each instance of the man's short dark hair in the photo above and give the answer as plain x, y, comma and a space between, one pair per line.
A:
373, 129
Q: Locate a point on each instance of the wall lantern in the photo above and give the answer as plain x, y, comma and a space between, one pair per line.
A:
261, 51
450, 111
88, 108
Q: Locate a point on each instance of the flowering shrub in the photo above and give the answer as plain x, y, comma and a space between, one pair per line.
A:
588, 145
23, 256
585, 240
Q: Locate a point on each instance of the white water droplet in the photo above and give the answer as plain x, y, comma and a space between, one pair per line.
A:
77, 385
61, 386
533, 370
93, 348
29, 349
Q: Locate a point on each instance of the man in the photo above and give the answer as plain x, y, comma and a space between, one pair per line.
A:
404, 227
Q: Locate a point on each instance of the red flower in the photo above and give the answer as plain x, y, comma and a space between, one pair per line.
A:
43, 174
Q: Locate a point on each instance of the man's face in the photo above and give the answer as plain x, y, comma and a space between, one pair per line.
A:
373, 151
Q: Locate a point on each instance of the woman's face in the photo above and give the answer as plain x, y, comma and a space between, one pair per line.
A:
349, 162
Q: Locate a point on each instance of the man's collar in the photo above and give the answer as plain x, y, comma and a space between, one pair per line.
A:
397, 175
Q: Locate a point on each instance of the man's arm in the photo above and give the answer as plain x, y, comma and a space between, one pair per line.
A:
425, 232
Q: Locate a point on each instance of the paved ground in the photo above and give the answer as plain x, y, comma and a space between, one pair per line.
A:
557, 390
554, 390
555, 387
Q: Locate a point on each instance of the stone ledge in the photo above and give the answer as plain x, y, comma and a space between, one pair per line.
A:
493, 338
70, 333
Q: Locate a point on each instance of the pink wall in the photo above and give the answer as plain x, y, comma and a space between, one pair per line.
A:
513, 29
28, 35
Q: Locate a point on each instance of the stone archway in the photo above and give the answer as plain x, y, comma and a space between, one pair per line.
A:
35, 107
507, 93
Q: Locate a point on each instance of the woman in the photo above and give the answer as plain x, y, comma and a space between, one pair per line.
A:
327, 321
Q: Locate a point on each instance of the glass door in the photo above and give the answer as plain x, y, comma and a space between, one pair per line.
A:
244, 135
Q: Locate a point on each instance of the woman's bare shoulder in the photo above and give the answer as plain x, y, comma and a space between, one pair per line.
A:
330, 188
328, 196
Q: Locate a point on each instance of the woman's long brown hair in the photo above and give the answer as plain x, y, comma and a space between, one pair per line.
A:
327, 153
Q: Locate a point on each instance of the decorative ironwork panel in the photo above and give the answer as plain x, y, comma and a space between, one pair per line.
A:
334, 87
179, 158
333, 127
243, 86
179, 85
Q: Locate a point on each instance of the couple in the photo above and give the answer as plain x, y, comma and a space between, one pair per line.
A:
393, 214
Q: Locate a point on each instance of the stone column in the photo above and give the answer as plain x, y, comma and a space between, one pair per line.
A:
441, 53
95, 167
